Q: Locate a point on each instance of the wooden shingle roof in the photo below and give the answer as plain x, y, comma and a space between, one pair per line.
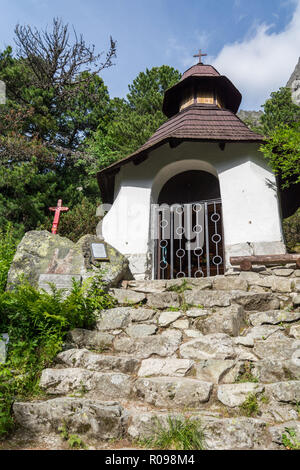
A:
197, 123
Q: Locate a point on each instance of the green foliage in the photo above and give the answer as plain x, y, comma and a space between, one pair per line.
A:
74, 441
250, 406
291, 228
280, 123
134, 120
282, 150
55, 100
247, 375
81, 219
180, 288
279, 110
37, 323
8, 244
289, 440
177, 435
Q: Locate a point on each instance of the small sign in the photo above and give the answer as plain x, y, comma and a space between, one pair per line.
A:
99, 252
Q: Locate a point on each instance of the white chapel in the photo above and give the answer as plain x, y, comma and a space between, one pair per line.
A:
197, 192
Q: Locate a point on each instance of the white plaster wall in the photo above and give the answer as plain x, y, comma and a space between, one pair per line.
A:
250, 205
248, 192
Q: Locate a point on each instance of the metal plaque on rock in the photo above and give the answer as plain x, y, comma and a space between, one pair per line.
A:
99, 252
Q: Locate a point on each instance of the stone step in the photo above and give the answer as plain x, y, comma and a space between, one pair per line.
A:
278, 281
101, 420
173, 392
271, 368
92, 339
82, 382
93, 418
85, 359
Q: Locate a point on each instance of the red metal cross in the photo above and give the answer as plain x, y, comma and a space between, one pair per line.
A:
57, 211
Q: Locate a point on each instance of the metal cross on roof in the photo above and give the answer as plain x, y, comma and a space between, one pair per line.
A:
200, 55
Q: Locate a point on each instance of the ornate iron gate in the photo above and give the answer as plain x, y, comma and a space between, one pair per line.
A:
188, 240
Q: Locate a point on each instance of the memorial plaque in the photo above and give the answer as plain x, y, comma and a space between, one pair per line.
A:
61, 281
99, 252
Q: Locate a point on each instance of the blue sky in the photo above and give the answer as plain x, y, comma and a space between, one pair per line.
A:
255, 43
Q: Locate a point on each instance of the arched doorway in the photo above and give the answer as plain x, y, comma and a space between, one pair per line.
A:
189, 235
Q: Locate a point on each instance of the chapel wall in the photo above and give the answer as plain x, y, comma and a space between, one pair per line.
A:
251, 217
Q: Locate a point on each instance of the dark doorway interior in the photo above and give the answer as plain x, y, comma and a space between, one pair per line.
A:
190, 186
193, 200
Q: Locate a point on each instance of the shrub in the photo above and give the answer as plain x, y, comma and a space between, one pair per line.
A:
37, 323
250, 406
8, 244
289, 440
291, 228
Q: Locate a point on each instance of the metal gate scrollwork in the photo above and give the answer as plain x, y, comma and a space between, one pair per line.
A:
188, 240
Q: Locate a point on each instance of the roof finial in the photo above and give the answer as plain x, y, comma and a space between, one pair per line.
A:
200, 55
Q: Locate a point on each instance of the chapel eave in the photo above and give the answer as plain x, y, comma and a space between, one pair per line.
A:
197, 123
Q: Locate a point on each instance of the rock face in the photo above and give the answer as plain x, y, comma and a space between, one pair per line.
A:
294, 84
250, 117
41, 252
227, 359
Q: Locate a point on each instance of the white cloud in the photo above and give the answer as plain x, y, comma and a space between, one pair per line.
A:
262, 63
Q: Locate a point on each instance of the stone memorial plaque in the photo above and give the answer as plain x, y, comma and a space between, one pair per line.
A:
99, 252
61, 281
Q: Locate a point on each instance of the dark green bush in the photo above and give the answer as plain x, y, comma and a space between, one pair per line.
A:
8, 244
37, 323
291, 228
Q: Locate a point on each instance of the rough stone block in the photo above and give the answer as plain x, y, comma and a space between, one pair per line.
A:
104, 385
90, 339
165, 367
213, 370
207, 298
295, 332
85, 359
229, 283
144, 347
281, 349
256, 301
141, 314
175, 392
233, 395
166, 318
127, 296
140, 330
114, 318
229, 320
287, 392
273, 317
282, 285
215, 346
163, 300
100, 420
181, 324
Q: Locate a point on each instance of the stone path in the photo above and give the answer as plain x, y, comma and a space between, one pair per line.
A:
198, 351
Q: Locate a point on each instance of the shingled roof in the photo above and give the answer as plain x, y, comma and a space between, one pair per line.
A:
204, 76
197, 123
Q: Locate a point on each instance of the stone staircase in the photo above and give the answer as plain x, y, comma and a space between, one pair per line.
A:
224, 351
